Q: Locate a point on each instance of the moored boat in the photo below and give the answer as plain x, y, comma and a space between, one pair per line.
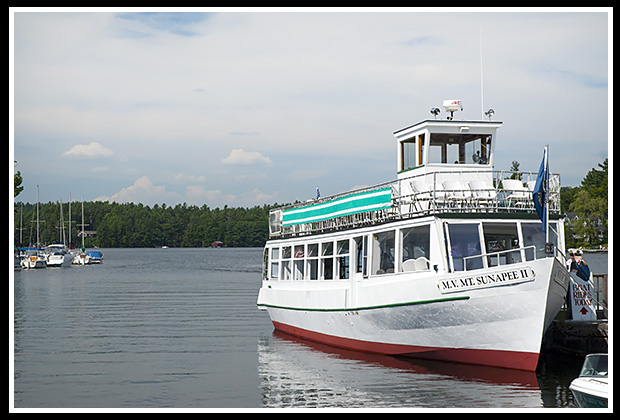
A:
96, 257
58, 255
33, 258
82, 257
447, 262
591, 387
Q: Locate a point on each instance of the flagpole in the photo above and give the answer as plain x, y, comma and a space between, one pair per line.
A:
547, 194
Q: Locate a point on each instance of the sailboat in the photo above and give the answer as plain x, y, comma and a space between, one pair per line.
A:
82, 258
58, 255
33, 257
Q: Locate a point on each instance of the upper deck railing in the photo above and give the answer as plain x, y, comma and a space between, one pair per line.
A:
432, 193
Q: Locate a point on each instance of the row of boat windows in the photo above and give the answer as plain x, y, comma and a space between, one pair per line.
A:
334, 260
469, 246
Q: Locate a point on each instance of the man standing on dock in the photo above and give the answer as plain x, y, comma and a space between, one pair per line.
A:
578, 265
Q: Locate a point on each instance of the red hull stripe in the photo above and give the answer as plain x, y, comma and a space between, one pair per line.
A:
500, 358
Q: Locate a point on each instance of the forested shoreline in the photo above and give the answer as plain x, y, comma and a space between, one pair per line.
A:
130, 225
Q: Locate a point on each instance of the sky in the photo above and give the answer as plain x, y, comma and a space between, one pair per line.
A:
241, 108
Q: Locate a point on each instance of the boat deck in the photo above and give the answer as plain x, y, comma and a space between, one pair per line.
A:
478, 193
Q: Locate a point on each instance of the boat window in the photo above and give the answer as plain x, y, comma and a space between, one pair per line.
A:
275, 255
313, 250
327, 261
266, 264
534, 235
460, 148
408, 149
411, 153
464, 243
361, 255
286, 270
299, 251
298, 262
286, 252
343, 259
595, 365
415, 248
499, 239
383, 253
313, 261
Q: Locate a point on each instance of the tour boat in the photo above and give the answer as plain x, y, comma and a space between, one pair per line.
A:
591, 388
449, 262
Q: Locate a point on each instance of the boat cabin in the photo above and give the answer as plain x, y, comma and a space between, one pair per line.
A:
448, 210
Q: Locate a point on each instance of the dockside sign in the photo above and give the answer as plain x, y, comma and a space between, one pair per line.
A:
489, 279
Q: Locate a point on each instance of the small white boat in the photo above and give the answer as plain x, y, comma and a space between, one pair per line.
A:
33, 258
82, 257
58, 255
591, 387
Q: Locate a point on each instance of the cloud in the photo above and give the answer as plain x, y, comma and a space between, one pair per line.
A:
198, 195
143, 191
91, 150
191, 178
241, 157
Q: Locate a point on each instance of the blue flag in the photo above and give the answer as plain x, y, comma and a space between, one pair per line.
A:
539, 194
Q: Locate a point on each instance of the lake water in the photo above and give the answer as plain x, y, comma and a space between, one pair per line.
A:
179, 328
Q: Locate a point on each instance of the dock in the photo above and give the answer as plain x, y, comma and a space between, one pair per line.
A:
577, 337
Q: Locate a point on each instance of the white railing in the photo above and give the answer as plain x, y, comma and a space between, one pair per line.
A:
434, 193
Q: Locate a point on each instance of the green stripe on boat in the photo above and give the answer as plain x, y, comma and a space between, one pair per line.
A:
343, 206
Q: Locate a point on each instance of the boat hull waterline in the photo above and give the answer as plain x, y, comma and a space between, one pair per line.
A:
454, 317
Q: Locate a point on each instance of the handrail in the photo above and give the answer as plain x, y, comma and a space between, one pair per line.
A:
497, 253
425, 194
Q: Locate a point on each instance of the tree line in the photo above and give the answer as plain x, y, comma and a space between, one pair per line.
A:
587, 209
130, 225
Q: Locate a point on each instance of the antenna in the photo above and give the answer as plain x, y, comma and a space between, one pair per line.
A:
481, 80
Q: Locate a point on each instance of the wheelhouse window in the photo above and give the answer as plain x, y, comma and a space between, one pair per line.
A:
383, 253
415, 251
460, 148
411, 152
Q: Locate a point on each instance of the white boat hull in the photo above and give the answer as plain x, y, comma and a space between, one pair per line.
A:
489, 316
81, 259
591, 392
59, 260
29, 263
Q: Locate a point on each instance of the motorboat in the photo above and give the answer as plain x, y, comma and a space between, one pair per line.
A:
591, 387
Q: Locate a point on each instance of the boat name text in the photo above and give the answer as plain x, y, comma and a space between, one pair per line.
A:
498, 278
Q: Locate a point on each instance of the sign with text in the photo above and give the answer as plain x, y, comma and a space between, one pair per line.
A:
488, 279
582, 304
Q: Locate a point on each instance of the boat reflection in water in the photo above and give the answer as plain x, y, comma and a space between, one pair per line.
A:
298, 373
